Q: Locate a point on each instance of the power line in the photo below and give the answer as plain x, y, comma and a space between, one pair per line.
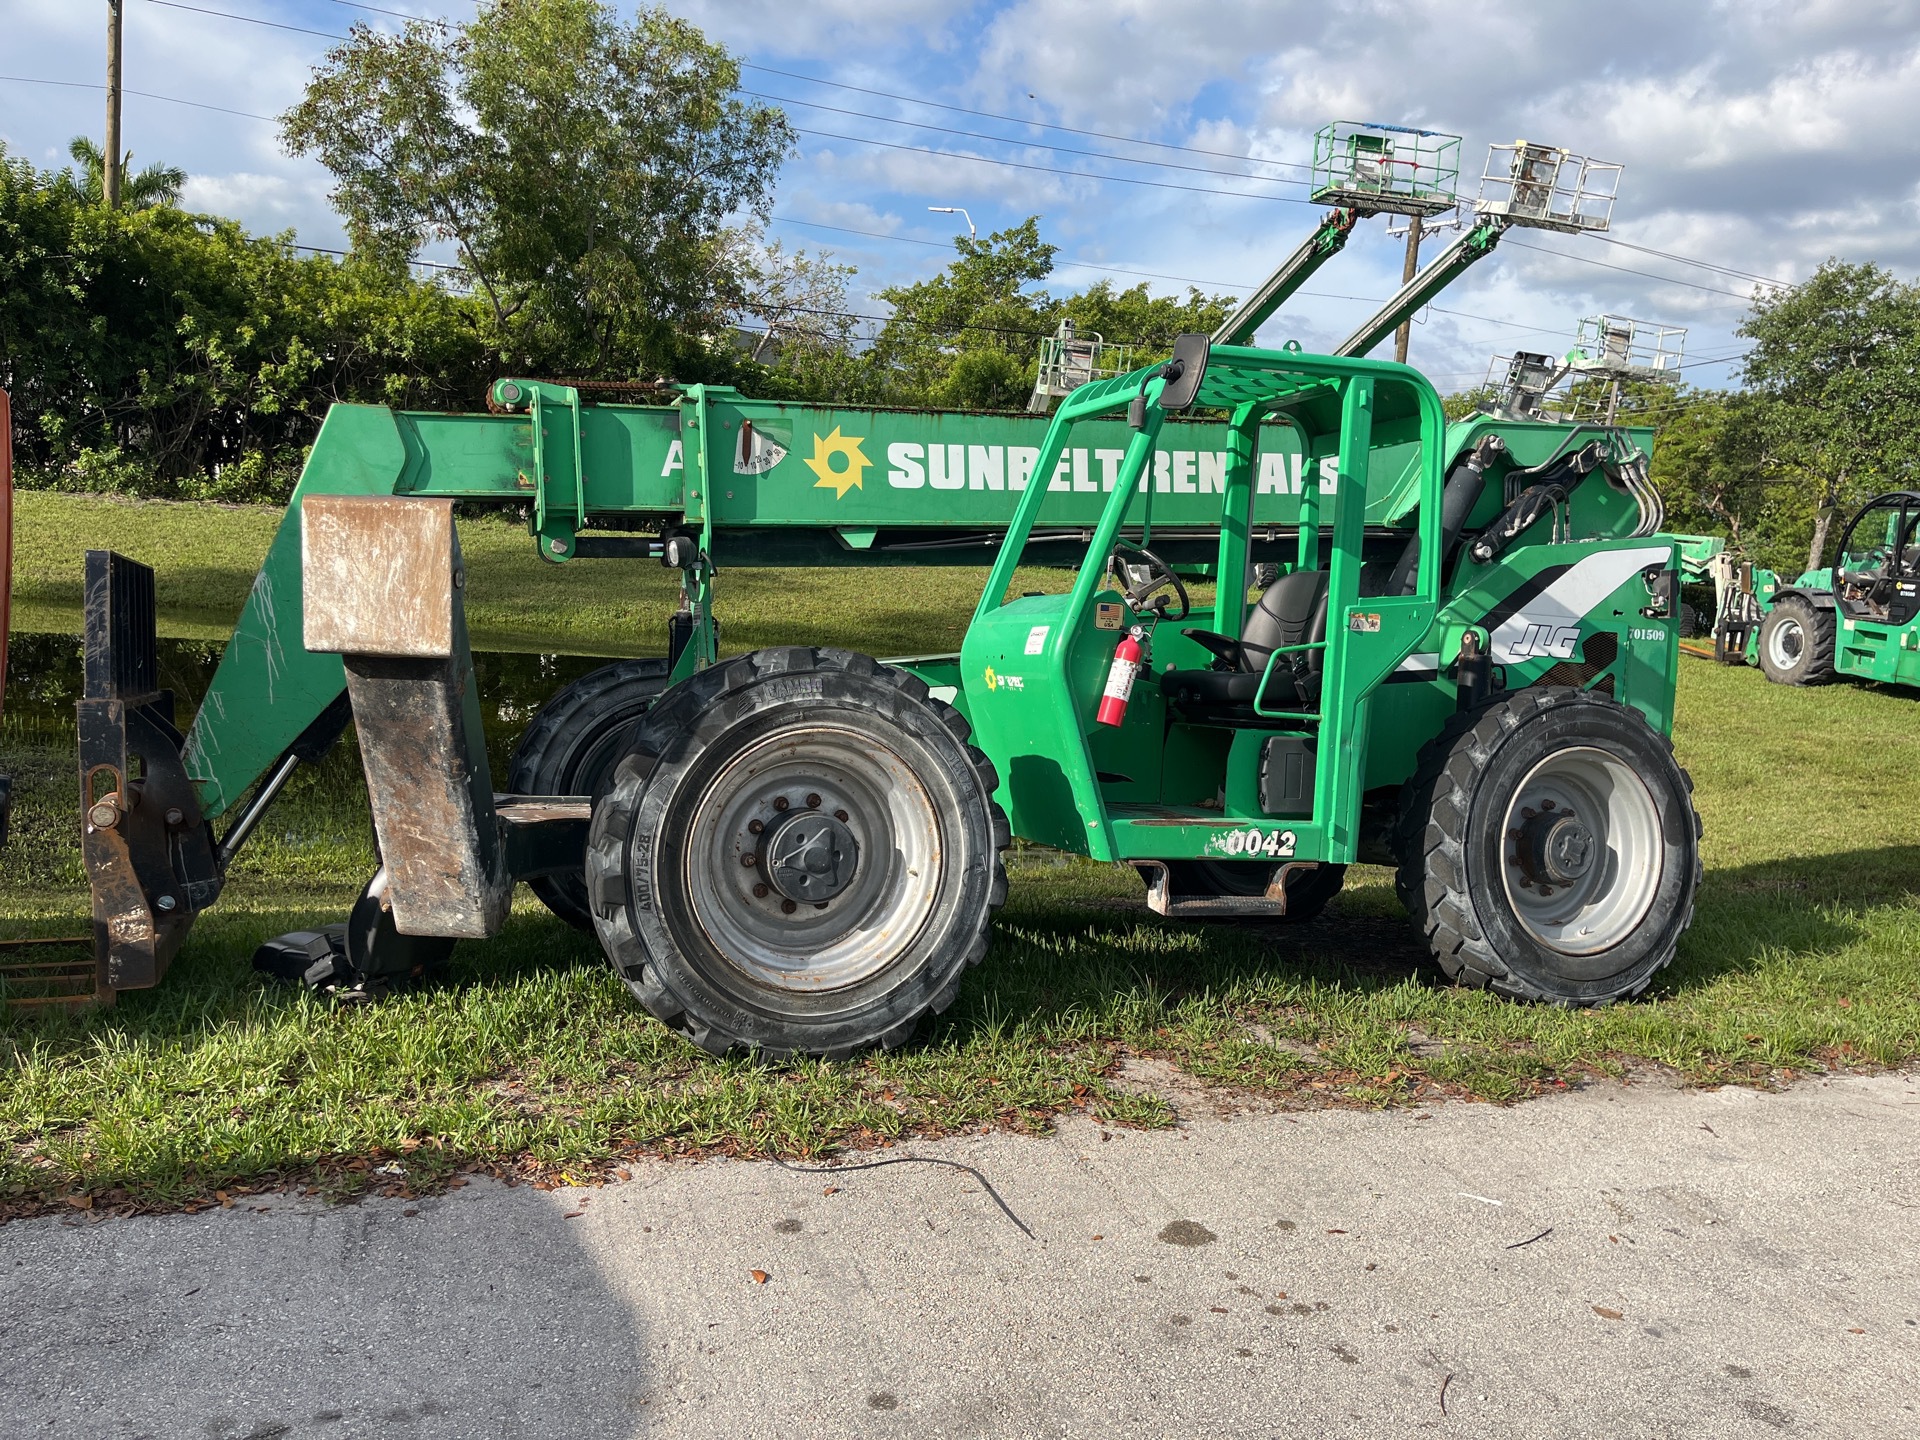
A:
248, 19
144, 95
397, 14
1699, 264
1049, 169
1032, 144
1647, 274
1100, 265
1017, 120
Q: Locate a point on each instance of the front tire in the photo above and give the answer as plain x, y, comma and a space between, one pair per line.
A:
1549, 849
799, 855
1796, 643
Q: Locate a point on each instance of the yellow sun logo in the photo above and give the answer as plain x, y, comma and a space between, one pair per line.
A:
844, 477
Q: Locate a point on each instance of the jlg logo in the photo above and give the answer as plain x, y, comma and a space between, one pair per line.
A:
1543, 640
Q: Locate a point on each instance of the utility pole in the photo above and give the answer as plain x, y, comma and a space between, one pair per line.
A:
110, 158
1407, 272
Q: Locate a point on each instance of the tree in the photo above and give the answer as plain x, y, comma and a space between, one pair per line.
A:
1835, 377
174, 355
1707, 469
583, 169
969, 337
155, 185
799, 299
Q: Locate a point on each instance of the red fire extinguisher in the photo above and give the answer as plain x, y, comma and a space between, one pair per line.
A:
1128, 657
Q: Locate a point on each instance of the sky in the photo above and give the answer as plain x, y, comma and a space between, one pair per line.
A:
1758, 138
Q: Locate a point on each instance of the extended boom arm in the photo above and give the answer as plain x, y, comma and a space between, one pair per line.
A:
1476, 244
1326, 242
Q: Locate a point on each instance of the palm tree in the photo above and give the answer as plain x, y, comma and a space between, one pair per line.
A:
155, 185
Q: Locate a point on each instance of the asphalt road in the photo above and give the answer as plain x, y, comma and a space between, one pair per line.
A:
1621, 1262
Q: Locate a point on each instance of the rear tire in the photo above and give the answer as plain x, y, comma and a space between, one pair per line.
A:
1796, 643
1308, 891
1549, 849
799, 855
571, 748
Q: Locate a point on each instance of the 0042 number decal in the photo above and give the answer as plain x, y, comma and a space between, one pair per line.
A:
1254, 842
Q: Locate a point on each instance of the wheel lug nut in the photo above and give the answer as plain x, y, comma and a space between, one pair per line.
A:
813, 802
754, 827
1546, 890
819, 904
841, 816
787, 907
749, 859
780, 802
1546, 804
1528, 811
759, 892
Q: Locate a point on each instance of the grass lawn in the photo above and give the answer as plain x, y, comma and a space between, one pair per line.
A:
528, 1055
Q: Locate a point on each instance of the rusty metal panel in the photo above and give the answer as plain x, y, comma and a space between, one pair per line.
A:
431, 795
378, 575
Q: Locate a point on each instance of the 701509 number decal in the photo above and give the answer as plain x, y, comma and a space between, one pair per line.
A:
1255, 843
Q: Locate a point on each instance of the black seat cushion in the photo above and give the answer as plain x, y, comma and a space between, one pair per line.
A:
1291, 611
1213, 689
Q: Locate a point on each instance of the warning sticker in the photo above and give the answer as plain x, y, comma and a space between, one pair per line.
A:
1368, 624
1037, 639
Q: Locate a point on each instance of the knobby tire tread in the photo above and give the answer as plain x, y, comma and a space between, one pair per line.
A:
668, 725
1431, 841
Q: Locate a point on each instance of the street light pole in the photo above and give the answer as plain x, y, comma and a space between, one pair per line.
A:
110, 159
972, 234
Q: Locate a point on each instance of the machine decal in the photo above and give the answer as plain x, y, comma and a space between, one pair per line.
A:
1255, 842
1548, 625
1037, 639
844, 477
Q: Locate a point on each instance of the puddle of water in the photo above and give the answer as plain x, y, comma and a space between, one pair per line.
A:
45, 679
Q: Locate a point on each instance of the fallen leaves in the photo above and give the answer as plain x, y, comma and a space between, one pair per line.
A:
80, 1202
760, 1277
1605, 1314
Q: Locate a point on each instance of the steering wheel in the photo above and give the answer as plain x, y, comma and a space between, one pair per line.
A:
1159, 576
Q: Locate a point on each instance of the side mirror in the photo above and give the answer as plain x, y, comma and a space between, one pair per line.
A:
1185, 371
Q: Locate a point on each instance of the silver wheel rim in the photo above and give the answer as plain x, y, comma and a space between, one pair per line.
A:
1582, 856
1787, 643
894, 875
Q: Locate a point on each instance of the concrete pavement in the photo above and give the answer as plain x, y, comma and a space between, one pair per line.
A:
1619, 1262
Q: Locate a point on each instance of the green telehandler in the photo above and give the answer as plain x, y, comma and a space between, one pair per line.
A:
1858, 618
1446, 647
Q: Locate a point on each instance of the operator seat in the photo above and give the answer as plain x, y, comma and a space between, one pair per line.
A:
1291, 611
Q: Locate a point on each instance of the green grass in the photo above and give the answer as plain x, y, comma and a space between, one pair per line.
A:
205, 558
528, 1055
